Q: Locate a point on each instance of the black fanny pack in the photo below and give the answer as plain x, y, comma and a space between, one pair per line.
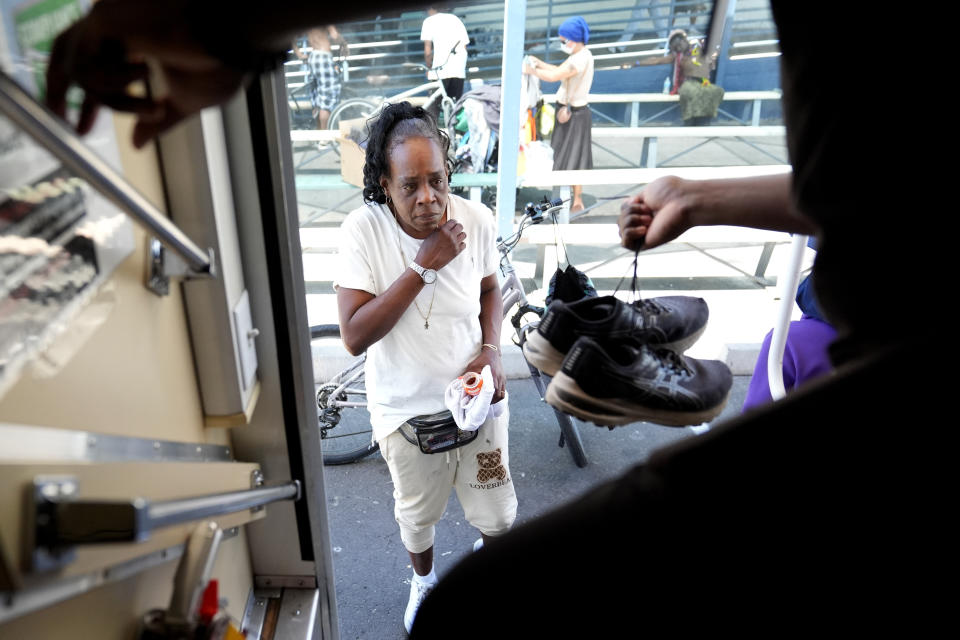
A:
436, 433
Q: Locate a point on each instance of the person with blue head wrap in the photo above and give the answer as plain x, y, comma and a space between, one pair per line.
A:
575, 29
571, 132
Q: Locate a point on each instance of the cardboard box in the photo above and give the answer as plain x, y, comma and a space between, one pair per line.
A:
353, 154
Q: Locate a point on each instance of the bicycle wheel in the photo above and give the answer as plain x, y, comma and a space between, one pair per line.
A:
446, 110
345, 432
301, 111
351, 109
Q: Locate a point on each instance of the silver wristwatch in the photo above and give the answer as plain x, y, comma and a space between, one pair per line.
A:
429, 275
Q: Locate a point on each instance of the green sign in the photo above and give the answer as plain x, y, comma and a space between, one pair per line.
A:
37, 24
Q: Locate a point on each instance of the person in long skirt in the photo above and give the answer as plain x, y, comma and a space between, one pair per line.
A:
571, 133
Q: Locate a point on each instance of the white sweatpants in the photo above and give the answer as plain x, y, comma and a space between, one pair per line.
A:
479, 471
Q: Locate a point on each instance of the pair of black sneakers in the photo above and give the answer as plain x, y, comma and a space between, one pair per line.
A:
615, 362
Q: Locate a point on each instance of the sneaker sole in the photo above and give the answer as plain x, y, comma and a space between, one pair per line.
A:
540, 353
566, 395
544, 356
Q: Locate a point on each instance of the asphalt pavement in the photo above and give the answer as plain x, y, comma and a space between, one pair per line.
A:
371, 568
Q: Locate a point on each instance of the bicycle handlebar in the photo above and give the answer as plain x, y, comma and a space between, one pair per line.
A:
534, 212
537, 211
542, 207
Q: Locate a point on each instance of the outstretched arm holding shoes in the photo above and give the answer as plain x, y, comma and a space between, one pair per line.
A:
669, 206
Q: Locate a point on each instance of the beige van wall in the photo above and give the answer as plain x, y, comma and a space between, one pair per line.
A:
134, 376
114, 611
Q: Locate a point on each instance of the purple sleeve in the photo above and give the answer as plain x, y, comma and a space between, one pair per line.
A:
805, 358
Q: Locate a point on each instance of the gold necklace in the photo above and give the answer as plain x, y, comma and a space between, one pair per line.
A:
426, 318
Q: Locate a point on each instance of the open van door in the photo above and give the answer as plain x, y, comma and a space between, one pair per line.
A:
160, 466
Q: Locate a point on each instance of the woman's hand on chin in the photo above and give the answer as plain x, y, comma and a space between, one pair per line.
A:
442, 246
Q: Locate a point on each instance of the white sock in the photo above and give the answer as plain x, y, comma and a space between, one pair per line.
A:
430, 578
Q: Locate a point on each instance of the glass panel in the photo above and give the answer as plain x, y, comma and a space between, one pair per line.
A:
59, 238
638, 132
383, 61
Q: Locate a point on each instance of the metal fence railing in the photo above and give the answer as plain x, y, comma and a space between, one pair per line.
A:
621, 32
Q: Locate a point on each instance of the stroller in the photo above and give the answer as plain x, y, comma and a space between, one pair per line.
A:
475, 135
477, 130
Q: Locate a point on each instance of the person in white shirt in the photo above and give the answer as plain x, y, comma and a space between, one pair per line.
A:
445, 42
571, 139
417, 290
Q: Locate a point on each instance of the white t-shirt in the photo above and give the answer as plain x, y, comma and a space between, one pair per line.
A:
575, 89
446, 31
408, 370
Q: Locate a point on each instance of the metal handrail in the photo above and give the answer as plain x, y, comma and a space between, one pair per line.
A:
171, 512
789, 283
50, 131
63, 520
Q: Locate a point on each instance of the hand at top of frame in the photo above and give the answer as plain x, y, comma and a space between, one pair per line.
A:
108, 49
656, 215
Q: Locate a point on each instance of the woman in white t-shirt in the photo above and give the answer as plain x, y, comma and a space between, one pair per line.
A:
571, 140
417, 290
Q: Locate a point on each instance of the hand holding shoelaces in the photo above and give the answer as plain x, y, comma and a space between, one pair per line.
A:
656, 215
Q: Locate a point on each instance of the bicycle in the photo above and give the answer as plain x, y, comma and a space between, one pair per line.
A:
301, 109
347, 435
366, 108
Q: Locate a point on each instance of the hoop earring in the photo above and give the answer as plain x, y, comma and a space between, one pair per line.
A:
389, 200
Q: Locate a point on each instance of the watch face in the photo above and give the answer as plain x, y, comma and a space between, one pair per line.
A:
429, 276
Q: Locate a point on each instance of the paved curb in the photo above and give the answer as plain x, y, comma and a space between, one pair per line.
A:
741, 358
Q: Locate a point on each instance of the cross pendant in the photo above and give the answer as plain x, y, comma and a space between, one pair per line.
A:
426, 324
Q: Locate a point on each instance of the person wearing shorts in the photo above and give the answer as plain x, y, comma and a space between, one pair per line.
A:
323, 74
417, 291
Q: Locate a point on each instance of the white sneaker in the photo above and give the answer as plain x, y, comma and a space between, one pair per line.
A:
418, 591
478, 544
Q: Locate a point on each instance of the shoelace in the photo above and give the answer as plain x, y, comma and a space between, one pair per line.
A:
673, 361
422, 590
649, 306
639, 303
